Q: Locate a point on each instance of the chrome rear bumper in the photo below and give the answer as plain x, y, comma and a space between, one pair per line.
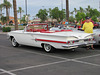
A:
78, 45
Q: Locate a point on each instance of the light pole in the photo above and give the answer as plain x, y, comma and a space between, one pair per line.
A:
62, 9
26, 12
26, 6
61, 4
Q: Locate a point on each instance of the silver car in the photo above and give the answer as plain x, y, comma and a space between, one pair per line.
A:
97, 36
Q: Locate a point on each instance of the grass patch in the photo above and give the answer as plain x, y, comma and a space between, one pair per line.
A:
19, 27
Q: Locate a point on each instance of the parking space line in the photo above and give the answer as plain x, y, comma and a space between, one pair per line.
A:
88, 56
41, 54
8, 72
48, 64
58, 56
85, 63
42, 65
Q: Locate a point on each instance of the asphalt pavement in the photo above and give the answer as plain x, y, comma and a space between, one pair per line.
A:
26, 60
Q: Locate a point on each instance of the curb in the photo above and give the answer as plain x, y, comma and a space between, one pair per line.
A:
3, 32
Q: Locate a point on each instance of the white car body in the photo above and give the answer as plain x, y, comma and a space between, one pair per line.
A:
64, 39
96, 32
97, 36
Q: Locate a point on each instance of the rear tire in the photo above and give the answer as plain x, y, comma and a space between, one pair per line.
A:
48, 48
14, 43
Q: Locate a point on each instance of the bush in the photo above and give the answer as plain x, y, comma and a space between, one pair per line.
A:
6, 29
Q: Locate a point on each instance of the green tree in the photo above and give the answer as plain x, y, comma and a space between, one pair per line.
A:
1, 7
57, 14
3, 19
72, 13
61, 15
71, 19
75, 10
23, 19
42, 14
79, 16
81, 9
7, 5
49, 13
20, 11
94, 12
88, 9
94, 18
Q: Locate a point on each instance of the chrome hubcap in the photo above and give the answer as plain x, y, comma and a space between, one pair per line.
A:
14, 42
47, 47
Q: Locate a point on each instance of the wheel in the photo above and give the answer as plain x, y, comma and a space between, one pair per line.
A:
14, 43
48, 48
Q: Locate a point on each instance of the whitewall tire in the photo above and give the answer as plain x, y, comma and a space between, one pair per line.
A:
48, 48
14, 43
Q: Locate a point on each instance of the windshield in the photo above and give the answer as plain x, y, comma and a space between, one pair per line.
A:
37, 27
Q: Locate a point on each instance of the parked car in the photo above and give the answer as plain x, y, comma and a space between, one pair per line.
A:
97, 36
96, 32
40, 36
96, 25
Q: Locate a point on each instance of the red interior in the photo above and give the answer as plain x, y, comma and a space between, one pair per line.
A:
35, 30
46, 31
55, 31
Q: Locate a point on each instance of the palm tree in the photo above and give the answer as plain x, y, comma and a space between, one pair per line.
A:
7, 5
88, 9
75, 10
72, 13
81, 9
67, 10
15, 14
20, 11
49, 11
1, 6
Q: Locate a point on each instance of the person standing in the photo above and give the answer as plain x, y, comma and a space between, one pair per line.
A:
88, 27
82, 22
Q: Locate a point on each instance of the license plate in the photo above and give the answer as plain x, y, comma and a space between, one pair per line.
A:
81, 41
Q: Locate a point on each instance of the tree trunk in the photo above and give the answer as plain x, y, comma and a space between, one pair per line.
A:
1, 12
15, 14
7, 16
67, 10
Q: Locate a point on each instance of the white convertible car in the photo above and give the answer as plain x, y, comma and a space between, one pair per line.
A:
96, 32
40, 36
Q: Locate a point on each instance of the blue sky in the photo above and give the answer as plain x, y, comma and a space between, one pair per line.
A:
35, 5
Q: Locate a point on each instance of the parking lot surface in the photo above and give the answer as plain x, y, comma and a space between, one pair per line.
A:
26, 60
